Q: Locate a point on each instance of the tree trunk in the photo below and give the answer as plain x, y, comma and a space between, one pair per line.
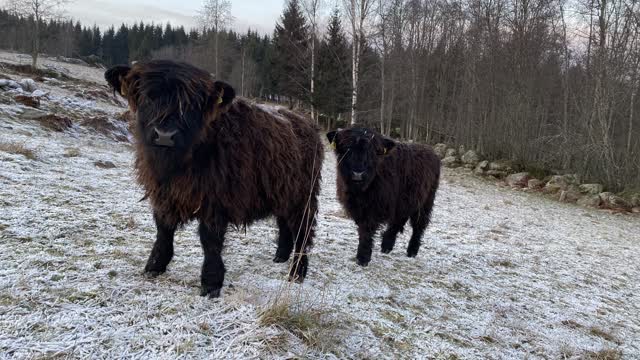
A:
313, 72
36, 43
354, 62
382, 99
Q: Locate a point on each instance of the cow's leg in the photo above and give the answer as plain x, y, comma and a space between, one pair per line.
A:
162, 251
389, 236
419, 222
302, 228
212, 240
285, 241
366, 231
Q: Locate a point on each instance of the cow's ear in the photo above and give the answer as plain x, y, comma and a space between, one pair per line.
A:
332, 137
223, 94
387, 146
116, 76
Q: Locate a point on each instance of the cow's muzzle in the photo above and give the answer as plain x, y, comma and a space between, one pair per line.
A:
164, 138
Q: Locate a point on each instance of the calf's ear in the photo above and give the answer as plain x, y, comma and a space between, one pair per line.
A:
223, 94
115, 76
332, 137
387, 145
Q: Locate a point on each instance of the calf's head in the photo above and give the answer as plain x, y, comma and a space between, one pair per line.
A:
359, 151
174, 104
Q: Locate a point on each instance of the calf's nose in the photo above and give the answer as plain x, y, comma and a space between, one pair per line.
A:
164, 138
357, 175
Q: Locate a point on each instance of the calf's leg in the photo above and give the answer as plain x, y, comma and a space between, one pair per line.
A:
366, 231
162, 251
419, 222
285, 241
212, 240
389, 236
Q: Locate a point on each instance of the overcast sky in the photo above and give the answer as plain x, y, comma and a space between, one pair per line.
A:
258, 15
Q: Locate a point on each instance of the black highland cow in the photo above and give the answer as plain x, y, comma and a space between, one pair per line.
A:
381, 181
203, 155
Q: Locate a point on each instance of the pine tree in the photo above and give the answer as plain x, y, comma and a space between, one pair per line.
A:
333, 77
291, 46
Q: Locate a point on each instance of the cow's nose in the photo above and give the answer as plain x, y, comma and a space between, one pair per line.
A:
164, 138
357, 175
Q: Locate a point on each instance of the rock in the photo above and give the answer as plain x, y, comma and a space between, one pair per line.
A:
114, 129
6, 84
450, 161
440, 150
55, 122
31, 114
104, 164
28, 85
635, 201
570, 195
470, 158
501, 165
481, 167
561, 182
613, 201
27, 100
636, 210
39, 93
450, 152
535, 184
590, 201
496, 173
461, 149
519, 179
591, 189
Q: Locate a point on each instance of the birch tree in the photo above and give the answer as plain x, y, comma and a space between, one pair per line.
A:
41, 11
312, 9
215, 15
358, 13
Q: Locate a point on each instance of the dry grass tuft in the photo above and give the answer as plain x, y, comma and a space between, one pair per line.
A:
71, 152
20, 149
605, 354
313, 326
603, 334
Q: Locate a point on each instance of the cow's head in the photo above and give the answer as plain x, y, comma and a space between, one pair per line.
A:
359, 152
174, 103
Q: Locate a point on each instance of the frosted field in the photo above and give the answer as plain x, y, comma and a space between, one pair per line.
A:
501, 274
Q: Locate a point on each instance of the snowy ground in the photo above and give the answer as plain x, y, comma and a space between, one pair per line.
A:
501, 274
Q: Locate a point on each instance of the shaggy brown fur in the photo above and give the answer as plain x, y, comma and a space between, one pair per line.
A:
380, 181
230, 162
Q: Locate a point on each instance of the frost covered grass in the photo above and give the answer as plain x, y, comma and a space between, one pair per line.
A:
501, 274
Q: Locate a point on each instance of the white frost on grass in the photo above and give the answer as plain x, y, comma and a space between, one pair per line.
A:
501, 274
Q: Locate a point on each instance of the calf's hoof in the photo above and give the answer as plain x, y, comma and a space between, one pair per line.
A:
280, 259
299, 279
153, 273
362, 262
298, 271
385, 250
412, 253
211, 292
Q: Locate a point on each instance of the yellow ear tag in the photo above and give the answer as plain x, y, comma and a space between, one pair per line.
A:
220, 100
385, 151
333, 145
123, 90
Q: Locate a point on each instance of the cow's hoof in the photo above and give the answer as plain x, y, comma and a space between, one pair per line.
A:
210, 292
362, 262
296, 278
386, 250
151, 274
412, 253
280, 259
